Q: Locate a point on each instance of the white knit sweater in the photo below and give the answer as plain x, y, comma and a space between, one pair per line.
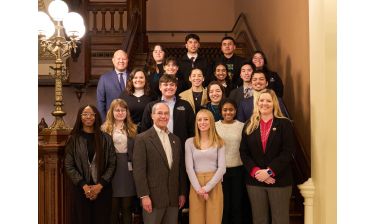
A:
231, 134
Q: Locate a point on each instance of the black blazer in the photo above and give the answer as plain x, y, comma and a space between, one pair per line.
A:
278, 155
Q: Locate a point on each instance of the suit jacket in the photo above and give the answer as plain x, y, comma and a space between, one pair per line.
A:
278, 155
151, 171
237, 95
188, 96
183, 119
246, 107
107, 90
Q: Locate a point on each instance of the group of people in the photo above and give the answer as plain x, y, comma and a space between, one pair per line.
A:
184, 134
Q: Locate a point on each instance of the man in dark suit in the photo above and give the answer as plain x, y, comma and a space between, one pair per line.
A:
112, 84
159, 170
245, 90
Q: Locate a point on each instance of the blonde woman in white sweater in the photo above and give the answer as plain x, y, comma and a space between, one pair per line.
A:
230, 131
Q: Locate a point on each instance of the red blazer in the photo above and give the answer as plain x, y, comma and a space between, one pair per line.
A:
278, 155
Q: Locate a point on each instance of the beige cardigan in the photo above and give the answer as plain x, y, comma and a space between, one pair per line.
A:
188, 96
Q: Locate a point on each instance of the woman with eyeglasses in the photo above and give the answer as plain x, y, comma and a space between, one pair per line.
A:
119, 125
90, 162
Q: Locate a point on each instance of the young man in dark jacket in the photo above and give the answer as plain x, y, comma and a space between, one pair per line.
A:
233, 61
192, 60
182, 118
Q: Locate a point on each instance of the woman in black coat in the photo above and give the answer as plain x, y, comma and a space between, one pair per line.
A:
267, 147
90, 162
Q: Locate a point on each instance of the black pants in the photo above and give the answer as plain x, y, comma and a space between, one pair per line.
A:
92, 212
123, 206
233, 186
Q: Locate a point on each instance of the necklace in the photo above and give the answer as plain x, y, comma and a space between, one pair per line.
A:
196, 95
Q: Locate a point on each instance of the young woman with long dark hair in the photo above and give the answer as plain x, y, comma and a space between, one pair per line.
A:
90, 162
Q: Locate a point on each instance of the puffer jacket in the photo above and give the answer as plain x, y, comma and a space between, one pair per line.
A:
76, 160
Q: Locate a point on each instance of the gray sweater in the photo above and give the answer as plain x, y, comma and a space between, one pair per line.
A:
200, 161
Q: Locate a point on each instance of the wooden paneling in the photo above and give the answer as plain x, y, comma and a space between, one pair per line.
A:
50, 176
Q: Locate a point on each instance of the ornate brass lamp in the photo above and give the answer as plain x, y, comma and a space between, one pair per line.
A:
55, 41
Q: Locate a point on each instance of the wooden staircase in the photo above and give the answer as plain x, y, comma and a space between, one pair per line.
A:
209, 50
127, 31
140, 60
110, 26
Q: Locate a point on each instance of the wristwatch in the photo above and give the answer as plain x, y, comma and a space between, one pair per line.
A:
269, 171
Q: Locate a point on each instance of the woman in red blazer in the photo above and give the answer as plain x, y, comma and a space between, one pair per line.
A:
267, 147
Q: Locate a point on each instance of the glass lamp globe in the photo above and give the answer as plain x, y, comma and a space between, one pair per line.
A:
74, 26
58, 9
42, 20
72, 22
81, 31
44, 25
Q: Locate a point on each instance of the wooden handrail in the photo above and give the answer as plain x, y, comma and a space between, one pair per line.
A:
102, 8
301, 163
130, 42
91, 6
131, 32
241, 18
189, 31
253, 39
199, 31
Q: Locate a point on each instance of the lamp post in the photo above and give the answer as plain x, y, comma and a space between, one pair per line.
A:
53, 39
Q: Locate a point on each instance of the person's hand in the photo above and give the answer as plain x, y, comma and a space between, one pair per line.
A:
205, 196
95, 190
147, 204
201, 191
181, 201
261, 175
270, 180
87, 191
